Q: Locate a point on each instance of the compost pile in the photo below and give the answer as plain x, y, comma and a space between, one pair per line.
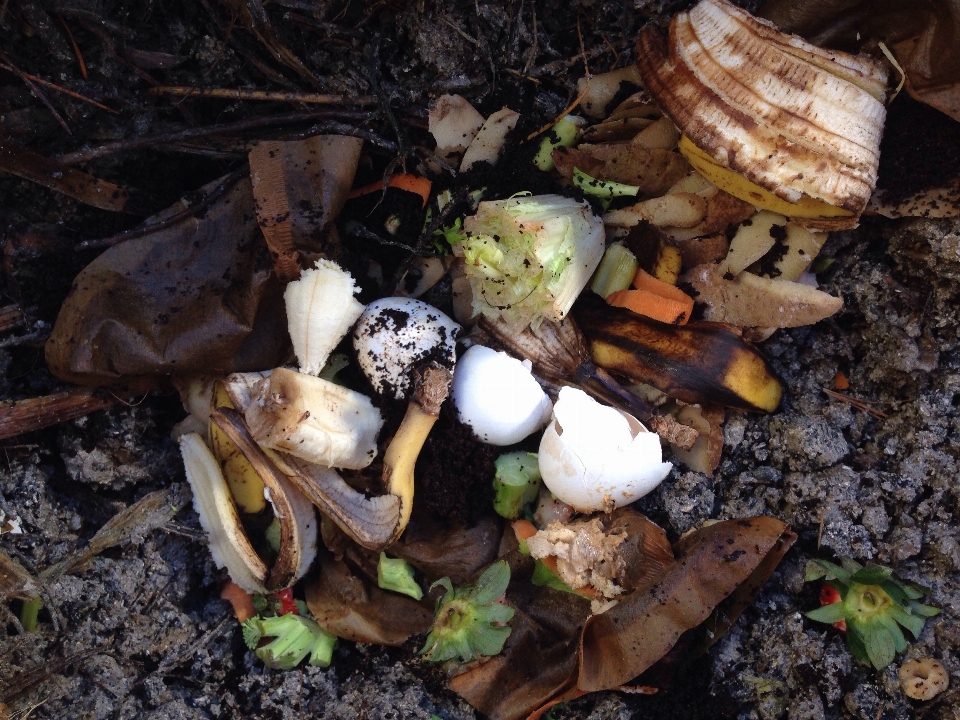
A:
860, 460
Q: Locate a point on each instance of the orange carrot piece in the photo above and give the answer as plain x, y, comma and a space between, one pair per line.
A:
402, 181
645, 281
840, 381
240, 599
523, 529
644, 302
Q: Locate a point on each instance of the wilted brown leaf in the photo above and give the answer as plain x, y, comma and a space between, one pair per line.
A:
623, 642
196, 298
347, 602
653, 171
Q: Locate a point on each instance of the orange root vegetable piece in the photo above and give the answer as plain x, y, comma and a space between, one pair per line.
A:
240, 599
655, 299
523, 529
402, 181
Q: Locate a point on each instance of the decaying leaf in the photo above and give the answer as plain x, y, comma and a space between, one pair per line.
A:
653, 171
557, 651
618, 645
69, 181
300, 188
455, 552
196, 298
345, 600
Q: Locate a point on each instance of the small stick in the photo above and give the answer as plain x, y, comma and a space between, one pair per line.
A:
146, 228
23, 416
76, 48
865, 405
272, 95
10, 318
174, 137
34, 90
581, 96
47, 83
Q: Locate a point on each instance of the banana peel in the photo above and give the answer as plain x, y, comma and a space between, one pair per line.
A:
246, 485
737, 185
696, 363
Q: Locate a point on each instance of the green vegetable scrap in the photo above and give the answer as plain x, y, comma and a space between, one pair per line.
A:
602, 188
396, 575
295, 637
469, 621
874, 603
517, 482
565, 133
530, 257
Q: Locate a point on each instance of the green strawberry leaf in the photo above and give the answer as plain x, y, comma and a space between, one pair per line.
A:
469, 621
911, 622
828, 613
492, 584
879, 645
856, 644
850, 565
899, 641
926, 611
871, 575
817, 569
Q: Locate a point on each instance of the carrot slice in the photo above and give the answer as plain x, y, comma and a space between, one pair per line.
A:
645, 281
402, 181
644, 302
240, 599
523, 529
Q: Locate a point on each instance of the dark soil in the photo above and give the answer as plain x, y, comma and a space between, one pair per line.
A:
140, 630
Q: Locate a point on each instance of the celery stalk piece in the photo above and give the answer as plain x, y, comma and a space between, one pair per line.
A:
529, 257
396, 574
517, 482
602, 188
615, 272
565, 133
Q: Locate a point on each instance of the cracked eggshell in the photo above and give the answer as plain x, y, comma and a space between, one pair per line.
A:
592, 456
498, 397
395, 334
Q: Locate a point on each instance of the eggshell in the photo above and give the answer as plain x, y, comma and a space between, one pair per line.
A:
592, 455
395, 334
498, 397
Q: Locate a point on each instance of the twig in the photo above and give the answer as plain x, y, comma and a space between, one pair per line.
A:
34, 90
339, 128
10, 318
865, 405
225, 129
581, 96
52, 86
23, 416
271, 95
374, 58
147, 228
76, 48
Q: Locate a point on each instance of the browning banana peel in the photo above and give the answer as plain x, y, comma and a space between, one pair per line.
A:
700, 362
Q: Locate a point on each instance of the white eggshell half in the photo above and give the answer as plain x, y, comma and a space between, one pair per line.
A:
591, 454
395, 334
498, 397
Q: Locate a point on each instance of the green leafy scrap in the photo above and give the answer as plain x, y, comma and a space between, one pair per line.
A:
295, 638
470, 622
396, 574
875, 604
